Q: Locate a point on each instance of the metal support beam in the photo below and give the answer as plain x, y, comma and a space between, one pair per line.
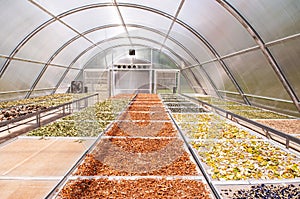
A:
268, 55
172, 24
122, 21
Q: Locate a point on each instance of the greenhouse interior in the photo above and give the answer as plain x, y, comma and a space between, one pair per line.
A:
150, 99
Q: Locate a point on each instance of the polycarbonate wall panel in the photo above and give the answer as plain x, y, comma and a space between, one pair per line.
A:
277, 106
219, 77
101, 61
181, 52
51, 77
106, 33
272, 19
46, 42
185, 87
94, 17
145, 43
132, 80
233, 97
63, 87
162, 61
176, 59
204, 84
85, 57
168, 6
145, 18
19, 76
41, 93
193, 79
207, 86
70, 52
139, 32
160, 66
144, 54
190, 81
191, 42
13, 26
2, 61
287, 55
58, 6
255, 75
220, 28
120, 52
115, 42
12, 96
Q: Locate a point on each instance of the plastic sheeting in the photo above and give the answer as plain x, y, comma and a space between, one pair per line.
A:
228, 48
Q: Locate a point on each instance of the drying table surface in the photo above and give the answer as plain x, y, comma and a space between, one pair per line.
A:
32, 166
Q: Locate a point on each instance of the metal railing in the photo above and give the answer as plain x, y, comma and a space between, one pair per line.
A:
64, 109
288, 141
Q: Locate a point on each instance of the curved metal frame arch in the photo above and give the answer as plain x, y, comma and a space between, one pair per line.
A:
197, 34
110, 39
187, 79
101, 42
278, 71
112, 47
111, 26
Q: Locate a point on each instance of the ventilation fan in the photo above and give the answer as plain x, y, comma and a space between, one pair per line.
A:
77, 87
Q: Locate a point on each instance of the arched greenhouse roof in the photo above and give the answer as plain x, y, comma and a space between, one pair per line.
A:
236, 49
